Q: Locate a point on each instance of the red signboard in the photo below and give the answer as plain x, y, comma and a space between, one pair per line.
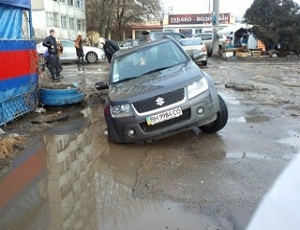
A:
184, 19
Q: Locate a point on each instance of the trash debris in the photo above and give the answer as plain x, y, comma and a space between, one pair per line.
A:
1, 131
40, 110
240, 87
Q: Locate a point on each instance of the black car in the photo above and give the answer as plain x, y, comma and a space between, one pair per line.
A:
148, 36
156, 90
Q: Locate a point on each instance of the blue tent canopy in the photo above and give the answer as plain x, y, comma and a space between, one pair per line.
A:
18, 3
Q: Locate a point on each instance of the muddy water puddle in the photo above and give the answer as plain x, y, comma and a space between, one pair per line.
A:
250, 119
70, 177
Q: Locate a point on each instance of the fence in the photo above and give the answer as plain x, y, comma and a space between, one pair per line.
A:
18, 67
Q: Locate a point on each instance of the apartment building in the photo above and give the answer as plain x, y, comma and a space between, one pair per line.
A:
67, 17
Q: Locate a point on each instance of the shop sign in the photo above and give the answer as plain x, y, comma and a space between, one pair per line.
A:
180, 19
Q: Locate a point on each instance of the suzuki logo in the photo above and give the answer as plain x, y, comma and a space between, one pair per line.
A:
160, 101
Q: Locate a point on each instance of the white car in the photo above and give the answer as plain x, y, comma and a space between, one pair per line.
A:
195, 48
91, 54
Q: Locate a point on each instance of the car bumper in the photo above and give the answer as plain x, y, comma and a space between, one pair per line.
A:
118, 128
200, 58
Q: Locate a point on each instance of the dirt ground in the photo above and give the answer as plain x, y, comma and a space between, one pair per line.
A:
9, 146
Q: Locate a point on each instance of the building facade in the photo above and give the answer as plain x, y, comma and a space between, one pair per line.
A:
67, 17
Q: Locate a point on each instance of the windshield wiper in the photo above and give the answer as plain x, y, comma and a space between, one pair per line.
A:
126, 79
146, 73
158, 69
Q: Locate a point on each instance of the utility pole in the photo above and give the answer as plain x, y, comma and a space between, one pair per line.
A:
215, 21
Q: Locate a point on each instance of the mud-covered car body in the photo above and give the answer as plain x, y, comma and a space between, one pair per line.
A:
156, 90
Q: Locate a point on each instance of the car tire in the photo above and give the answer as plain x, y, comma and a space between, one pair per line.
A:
204, 63
220, 122
91, 57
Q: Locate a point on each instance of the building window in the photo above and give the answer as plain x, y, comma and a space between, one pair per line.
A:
64, 22
63, 1
72, 23
79, 24
49, 19
79, 4
56, 19
70, 2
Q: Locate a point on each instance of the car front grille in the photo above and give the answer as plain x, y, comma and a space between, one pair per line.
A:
150, 104
186, 115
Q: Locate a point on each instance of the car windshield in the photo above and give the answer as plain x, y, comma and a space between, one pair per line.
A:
191, 42
146, 60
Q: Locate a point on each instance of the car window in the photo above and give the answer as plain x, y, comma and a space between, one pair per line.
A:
127, 44
158, 35
135, 43
147, 59
206, 37
177, 37
67, 44
190, 42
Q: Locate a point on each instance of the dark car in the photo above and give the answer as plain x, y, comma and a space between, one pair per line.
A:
156, 90
148, 36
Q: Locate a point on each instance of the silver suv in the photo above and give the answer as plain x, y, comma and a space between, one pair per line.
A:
207, 39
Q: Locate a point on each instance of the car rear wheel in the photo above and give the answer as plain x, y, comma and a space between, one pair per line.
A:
91, 57
204, 63
220, 122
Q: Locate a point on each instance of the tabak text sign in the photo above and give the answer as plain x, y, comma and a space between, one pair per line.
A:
180, 19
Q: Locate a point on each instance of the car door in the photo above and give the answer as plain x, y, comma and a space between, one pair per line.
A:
69, 53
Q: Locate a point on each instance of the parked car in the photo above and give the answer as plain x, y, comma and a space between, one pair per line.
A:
155, 90
196, 49
128, 43
207, 39
91, 54
148, 36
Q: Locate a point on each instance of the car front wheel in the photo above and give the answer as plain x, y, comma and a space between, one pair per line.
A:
220, 122
91, 57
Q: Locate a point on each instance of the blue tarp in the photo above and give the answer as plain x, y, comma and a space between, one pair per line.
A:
11, 22
19, 3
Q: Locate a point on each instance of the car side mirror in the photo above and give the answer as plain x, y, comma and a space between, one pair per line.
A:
101, 85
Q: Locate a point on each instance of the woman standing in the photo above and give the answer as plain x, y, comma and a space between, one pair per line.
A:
79, 49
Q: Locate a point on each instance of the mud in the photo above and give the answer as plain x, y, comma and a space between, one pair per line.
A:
188, 181
9, 146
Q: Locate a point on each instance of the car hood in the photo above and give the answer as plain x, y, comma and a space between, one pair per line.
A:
154, 84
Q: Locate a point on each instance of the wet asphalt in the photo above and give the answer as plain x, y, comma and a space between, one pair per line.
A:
71, 177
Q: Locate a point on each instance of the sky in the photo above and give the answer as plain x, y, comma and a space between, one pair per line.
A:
236, 7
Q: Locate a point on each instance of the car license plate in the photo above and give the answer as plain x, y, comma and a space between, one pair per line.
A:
164, 116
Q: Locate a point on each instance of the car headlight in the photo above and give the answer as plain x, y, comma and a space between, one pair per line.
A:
120, 111
197, 88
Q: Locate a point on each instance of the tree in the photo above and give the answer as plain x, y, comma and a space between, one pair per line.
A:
135, 11
106, 15
276, 22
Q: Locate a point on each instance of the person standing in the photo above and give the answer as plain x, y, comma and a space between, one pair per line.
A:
79, 49
109, 47
53, 60
60, 50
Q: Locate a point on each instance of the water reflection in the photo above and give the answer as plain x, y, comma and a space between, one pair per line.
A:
72, 178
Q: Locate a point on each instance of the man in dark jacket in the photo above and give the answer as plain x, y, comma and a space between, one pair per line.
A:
53, 59
109, 47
